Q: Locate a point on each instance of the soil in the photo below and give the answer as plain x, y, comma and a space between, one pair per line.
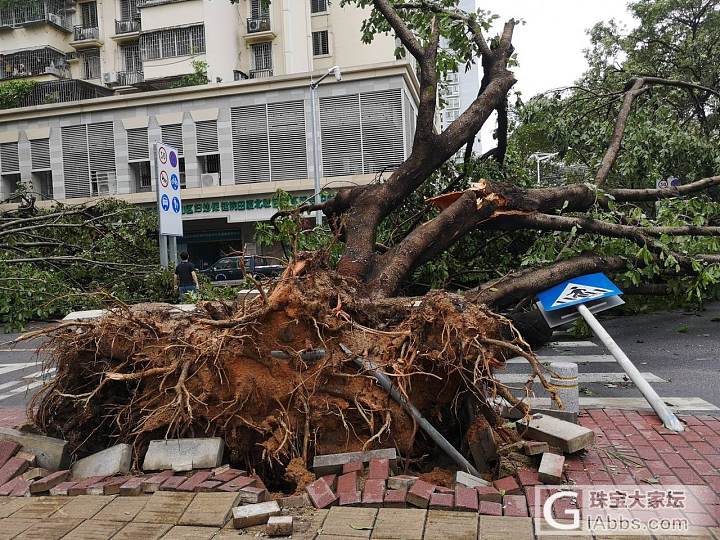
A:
439, 477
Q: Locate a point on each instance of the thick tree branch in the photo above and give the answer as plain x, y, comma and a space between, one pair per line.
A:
652, 194
402, 31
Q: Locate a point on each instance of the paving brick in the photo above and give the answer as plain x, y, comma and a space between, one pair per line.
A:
468, 480
229, 474
254, 514
466, 499
294, 501
208, 486
403, 523
164, 507
7, 450
252, 495
533, 448
333, 463
172, 483
395, 498
346, 521
350, 498
279, 526
122, 509
347, 483
419, 494
490, 494
187, 532
657, 467
401, 481
61, 489
501, 528
443, 489
151, 484
11, 527
528, 477
320, 493
551, 468
201, 453
209, 509
567, 436
17, 487
93, 529
373, 492
507, 485
81, 487
146, 531
702, 467
353, 466
441, 525
133, 487
330, 480
191, 483
515, 506
84, 506
109, 486
306, 526
490, 508
379, 469
237, 484
13, 467
40, 507
50, 453
49, 529
673, 460
442, 501
10, 506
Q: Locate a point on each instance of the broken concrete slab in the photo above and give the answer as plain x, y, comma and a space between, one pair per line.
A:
468, 480
254, 514
279, 526
551, 468
113, 460
201, 453
567, 436
51, 453
333, 463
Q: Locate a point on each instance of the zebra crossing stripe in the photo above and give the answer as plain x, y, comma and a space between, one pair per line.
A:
9, 368
577, 358
41, 374
21, 390
521, 378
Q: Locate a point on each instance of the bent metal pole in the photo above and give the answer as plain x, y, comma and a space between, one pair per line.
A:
669, 419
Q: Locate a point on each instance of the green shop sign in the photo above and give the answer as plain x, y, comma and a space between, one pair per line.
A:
241, 205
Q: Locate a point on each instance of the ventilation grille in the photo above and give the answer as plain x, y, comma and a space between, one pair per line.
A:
341, 135
40, 153
138, 148
250, 144
75, 162
382, 130
288, 155
207, 137
9, 157
172, 135
102, 146
410, 119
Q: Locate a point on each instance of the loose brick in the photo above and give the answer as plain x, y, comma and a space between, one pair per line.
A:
515, 506
227, 475
468, 480
59, 489
395, 498
151, 484
7, 450
112, 485
29, 457
374, 493
528, 478
98, 488
379, 469
567, 436
172, 483
533, 448
294, 501
443, 489
133, 487
488, 508
16, 483
321, 495
207, 486
419, 494
507, 485
347, 483
279, 526
551, 468
252, 495
81, 487
401, 481
22, 488
350, 498
353, 466
466, 499
35, 473
237, 484
442, 501
333, 463
255, 514
330, 480
198, 478
13, 467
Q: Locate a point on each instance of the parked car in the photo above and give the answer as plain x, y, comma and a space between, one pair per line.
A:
229, 268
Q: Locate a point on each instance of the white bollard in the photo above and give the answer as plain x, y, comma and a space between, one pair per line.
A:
565, 380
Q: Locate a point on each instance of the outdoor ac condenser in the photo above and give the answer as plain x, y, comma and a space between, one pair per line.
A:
209, 180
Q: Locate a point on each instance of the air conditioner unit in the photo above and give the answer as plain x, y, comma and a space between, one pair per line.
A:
209, 180
55, 19
254, 25
110, 77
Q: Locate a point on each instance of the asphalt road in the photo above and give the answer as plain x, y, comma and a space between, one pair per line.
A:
682, 348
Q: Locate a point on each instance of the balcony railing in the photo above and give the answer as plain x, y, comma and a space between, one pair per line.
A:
63, 91
258, 24
260, 73
84, 34
33, 63
129, 78
36, 11
127, 26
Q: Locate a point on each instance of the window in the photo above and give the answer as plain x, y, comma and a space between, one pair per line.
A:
173, 42
129, 10
89, 160
209, 164
258, 9
452, 102
88, 15
90, 59
172, 135
320, 43
262, 60
140, 172
318, 6
130, 58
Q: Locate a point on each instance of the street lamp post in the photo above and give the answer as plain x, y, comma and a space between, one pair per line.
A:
540, 157
335, 70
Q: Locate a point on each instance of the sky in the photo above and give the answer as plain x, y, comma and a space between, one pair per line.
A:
550, 44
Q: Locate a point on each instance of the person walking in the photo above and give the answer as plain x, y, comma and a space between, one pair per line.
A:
185, 276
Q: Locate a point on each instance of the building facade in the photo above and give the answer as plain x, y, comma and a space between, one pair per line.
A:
239, 142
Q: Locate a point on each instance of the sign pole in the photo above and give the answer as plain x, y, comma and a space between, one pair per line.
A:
173, 254
163, 251
666, 415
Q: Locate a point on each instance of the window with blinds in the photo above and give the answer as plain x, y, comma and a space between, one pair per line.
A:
76, 168
320, 43
138, 147
40, 154
318, 6
341, 135
172, 135
207, 137
9, 158
269, 142
89, 160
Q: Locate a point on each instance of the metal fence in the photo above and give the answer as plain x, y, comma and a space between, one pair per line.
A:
127, 26
63, 91
33, 63
82, 33
33, 11
258, 24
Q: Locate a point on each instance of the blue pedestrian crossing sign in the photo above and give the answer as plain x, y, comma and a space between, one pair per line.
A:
578, 290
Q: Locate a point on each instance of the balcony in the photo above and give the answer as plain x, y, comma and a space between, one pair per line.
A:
52, 12
129, 78
127, 29
259, 29
86, 37
63, 91
261, 73
33, 63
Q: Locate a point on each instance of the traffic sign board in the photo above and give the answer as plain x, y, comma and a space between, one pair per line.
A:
168, 190
578, 290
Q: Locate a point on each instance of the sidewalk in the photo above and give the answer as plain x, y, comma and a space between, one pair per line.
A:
632, 448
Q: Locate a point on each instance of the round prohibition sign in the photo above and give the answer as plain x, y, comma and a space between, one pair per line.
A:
162, 154
163, 179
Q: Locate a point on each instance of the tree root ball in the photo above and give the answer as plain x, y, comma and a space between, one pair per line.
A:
272, 378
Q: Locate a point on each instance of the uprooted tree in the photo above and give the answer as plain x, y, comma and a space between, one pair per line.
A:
275, 375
